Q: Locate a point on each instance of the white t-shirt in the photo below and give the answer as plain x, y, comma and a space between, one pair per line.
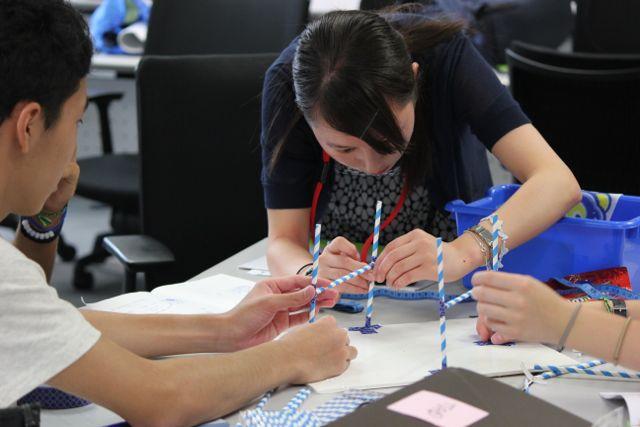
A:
40, 334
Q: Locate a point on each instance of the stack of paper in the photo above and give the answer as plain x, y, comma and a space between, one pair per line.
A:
215, 294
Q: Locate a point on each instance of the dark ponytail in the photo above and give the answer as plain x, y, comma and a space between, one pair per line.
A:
349, 65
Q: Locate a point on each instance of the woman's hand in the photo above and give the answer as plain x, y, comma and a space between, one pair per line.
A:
412, 257
339, 258
264, 313
513, 307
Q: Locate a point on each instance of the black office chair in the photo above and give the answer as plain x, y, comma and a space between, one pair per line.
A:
224, 26
494, 24
183, 28
110, 178
587, 107
607, 26
376, 4
201, 198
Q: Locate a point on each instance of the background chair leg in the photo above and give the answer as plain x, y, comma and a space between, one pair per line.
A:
129, 281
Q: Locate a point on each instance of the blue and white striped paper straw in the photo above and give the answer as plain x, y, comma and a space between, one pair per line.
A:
443, 319
347, 277
495, 233
458, 299
561, 370
374, 255
595, 372
261, 404
295, 403
556, 371
314, 271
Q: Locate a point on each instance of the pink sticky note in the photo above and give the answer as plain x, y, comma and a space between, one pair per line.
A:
438, 409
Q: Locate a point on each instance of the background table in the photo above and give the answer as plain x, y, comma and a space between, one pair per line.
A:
578, 396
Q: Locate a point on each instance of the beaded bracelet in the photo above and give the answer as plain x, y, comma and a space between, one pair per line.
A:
38, 228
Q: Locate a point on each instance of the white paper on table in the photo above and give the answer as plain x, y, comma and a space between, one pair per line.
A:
633, 404
256, 267
215, 294
405, 353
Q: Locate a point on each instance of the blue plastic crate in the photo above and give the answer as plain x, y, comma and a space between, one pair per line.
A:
572, 245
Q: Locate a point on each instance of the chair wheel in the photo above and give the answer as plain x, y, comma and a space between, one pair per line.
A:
67, 252
82, 280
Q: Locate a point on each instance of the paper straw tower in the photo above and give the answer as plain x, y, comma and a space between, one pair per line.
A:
314, 271
374, 255
443, 319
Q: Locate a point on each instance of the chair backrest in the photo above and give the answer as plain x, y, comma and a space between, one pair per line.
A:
578, 60
199, 126
607, 26
197, 27
375, 4
587, 107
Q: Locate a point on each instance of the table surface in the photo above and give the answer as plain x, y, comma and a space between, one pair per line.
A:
578, 396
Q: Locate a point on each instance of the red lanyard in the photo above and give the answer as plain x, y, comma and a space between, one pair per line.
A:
316, 196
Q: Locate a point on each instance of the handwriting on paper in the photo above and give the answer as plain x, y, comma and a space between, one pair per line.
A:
438, 409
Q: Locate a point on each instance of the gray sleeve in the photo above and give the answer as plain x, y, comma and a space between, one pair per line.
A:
40, 334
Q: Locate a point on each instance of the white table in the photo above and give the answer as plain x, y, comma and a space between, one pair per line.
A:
578, 396
123, 64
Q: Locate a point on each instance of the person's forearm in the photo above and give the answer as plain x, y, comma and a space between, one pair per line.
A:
150, 335
538, 204
633, 307
42, 253
182, 391
232, 379
596, 333
285, 257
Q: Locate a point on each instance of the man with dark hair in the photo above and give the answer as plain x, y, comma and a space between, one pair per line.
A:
45, 53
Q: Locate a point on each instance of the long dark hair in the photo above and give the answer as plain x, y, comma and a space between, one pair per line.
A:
349, 65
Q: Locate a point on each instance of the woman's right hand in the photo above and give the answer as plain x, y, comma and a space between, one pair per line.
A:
320, 350
516, 307
339, 258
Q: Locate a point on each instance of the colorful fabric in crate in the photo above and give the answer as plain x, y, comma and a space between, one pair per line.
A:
600, 206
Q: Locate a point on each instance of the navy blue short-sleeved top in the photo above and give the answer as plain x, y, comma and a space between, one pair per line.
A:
470, 110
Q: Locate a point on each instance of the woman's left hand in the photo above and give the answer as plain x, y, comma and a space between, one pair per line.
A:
412, 257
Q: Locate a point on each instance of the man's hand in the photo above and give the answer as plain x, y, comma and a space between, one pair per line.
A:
66, 188
265, 312
319, 350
